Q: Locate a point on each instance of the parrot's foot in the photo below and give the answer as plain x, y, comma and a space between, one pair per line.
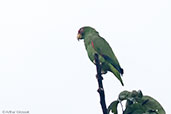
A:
103, 72
99, 77
100, 90
95, 62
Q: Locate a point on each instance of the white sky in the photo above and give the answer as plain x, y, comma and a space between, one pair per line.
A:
44, 69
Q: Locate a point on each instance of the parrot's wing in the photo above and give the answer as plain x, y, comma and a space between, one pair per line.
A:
103, 48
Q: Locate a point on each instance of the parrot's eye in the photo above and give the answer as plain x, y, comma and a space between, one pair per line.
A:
81, 31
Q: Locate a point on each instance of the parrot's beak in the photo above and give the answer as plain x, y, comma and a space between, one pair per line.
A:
79, 36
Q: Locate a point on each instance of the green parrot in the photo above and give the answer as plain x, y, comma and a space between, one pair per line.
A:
94, 43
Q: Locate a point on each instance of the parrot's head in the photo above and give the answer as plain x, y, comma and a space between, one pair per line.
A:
82, 32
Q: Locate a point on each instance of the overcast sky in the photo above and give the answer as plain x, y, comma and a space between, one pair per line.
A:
45, 70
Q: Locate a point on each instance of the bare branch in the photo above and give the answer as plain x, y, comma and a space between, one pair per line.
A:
100, 84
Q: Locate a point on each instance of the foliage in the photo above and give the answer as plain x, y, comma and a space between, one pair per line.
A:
136, 103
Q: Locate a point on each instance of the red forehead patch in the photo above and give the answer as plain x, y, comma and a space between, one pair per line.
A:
81, 30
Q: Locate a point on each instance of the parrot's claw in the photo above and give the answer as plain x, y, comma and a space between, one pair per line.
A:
103, 72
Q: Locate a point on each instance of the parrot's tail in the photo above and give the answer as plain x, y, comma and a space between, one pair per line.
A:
122, 71
116, 73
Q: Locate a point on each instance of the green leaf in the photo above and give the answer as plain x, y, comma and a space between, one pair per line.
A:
152, 105
139, 104
134, 109
124, 95
113, 107
136, 103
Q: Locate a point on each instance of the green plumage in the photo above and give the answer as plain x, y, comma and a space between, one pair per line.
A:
96, 44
